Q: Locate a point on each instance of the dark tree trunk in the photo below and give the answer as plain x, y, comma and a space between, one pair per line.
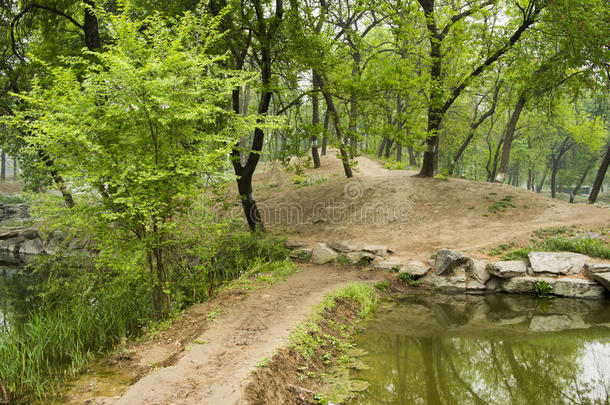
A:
325, 136
335, 115
508, 138
582, 179
3, 167
91, 27
382, 147
398, 152
541, 184
15, 177
565, 145
388, 148
315, 120
412, 160
599, 179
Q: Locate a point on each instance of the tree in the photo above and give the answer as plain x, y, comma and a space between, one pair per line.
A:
139, 133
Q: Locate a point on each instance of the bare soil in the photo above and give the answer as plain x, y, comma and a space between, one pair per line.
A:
413, 216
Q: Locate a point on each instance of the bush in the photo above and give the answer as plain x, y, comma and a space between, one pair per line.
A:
591, 244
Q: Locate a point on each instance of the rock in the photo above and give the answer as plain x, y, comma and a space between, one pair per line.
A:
597, 268
602, 278
31, 247
507, 269
516, 320
388, 266
415, 269
301, 254
431, 262
13, 212
455, 284
322, 254
341, 246
378, 250
555, 323
360, 257
478, 271
525, 284
475, 286
494, 284
558, 263
295, 244
447, 260
577, 288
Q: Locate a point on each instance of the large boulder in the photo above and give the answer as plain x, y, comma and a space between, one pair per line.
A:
447, 260
295, 244
322, 254
557, 263
525, 284
360, 257
478, 271
415, 269
31, 247
603, 279
577, 288
301, 254
507, 269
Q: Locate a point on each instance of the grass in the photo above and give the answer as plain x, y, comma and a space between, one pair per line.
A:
11, 199
407, 278
559, 239
305, 181
500, 206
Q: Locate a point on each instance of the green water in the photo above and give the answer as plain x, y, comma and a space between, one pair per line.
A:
487, 350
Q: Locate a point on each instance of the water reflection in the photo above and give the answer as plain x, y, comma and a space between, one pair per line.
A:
487, 350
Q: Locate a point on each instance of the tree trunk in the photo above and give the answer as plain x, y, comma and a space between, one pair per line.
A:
388, 148
398, 152
382, 147
91, 27
3, 167
599, 179
582, 179
508, 138
325, 136
342, 149
541, 184
412, 160
315, 120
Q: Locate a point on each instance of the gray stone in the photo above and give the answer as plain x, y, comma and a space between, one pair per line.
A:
378, 250
301, 254
295, 244
555, 323
577, 288
478, 271
558, 263
388, 265
516, 320
341, 246
525, 284
455, 284
322, 254
507, 269
475, 287
31, 247
360, 257
494, 284
447, 260
597, 268
415, 269
602, 278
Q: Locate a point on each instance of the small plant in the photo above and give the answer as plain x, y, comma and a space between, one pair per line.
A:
502, 205
213, 314
263, 363
342, 259
325, 358
383, 286
395, 269
543, 289
408, 278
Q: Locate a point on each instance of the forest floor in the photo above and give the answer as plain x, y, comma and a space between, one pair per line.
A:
207, 356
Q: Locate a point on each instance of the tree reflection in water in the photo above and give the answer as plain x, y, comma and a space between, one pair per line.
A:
487, 350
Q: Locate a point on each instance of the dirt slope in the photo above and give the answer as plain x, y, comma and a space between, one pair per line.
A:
215, 370
412, 215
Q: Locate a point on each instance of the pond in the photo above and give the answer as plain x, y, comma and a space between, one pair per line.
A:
494, 349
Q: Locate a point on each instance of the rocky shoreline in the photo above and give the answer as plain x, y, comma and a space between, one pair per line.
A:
563, 274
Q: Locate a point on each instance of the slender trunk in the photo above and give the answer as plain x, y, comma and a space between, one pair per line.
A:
315, 120
91, 27
508, 138
3, 168
599, 179
582, 179
335, 115
541, 184
530, 178
412, 160
382, 147
398, 152
388, 148
325, 136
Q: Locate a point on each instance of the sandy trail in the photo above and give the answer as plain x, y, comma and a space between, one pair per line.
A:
215, 370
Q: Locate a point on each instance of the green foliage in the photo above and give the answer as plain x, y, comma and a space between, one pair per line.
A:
502, 205
304, 180
591, 244
383, 286
12, 199
407, 278
543, 289
393, 165
518, 254
342, 259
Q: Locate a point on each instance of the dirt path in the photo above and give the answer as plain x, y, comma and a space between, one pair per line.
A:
215, 370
